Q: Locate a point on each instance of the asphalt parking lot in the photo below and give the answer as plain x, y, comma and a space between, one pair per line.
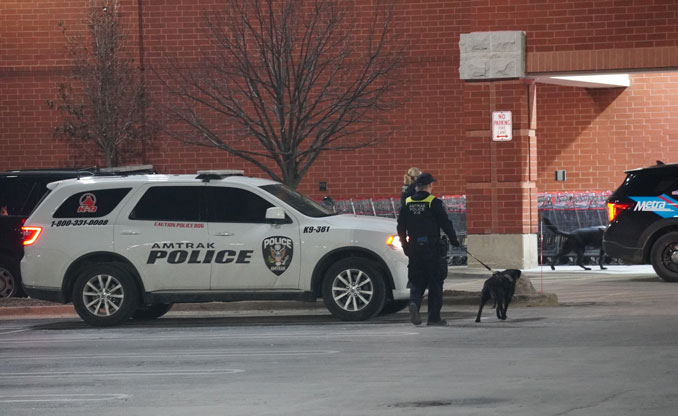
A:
610, 348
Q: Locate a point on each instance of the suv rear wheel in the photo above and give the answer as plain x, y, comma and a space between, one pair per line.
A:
10, 284
353, 289
105, 294
664, 256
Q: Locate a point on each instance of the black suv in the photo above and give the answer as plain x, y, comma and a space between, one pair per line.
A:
643, 214
20, 192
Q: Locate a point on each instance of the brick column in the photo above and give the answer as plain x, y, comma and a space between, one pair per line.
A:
501, 194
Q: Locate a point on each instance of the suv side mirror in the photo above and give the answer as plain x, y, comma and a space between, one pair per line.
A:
276, 215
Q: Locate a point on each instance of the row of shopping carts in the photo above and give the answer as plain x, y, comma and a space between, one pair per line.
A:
566, 210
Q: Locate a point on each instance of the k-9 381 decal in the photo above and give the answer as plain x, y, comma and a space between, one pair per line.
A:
317, 229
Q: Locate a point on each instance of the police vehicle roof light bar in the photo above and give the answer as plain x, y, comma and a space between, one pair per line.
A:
208, 175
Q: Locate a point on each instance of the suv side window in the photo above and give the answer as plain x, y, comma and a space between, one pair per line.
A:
169, 203
647, 183
235, 205
91, 204
20, 195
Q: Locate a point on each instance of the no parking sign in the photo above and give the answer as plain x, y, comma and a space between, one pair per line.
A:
502, 126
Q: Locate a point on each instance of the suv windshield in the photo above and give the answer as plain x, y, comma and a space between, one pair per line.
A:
298, 201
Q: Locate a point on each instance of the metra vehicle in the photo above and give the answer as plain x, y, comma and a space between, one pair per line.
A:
643, 214
132, 246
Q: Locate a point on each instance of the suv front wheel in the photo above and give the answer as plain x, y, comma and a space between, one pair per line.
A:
354, 289
105, 294
664, 256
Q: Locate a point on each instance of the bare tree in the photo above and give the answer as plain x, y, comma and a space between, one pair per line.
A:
107, 105
287, 80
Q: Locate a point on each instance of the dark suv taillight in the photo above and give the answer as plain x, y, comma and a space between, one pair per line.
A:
30, 234
614, 208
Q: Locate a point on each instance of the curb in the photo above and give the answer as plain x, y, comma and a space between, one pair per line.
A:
38, 311
450, 298
454, 297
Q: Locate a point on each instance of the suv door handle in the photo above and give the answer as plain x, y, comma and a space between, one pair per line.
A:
129, 232
224, 234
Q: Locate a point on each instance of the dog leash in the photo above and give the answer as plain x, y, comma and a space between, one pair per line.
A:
476, 259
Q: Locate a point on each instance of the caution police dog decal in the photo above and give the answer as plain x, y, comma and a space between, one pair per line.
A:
277, 253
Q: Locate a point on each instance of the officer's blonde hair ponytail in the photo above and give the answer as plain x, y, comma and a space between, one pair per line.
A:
411, 175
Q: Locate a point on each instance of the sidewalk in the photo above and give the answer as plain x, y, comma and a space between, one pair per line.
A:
462, 287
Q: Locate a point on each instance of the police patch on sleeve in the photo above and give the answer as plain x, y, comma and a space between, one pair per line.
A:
277, 253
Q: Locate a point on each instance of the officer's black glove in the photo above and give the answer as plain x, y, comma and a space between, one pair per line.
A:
406, 248
455, 243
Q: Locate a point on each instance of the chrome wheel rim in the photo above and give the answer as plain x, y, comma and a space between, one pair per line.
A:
6, 283
103, 295
352, 290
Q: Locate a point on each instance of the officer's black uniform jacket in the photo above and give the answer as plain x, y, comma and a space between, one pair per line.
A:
424, 215
408, 190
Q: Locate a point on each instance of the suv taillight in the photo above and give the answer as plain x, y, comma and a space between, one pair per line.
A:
614, 208
30, 234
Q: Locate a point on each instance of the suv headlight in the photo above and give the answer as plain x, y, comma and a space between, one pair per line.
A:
393, 241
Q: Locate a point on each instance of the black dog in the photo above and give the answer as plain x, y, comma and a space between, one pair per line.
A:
577, 241
500, 288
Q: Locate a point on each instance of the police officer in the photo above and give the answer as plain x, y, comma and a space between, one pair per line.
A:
409, 184
419, 223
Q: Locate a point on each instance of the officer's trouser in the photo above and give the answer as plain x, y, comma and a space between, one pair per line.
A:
425, 270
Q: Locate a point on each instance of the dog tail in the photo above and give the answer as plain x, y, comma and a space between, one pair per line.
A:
553, 228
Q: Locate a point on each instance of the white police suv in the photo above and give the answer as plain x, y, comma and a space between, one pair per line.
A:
130, 247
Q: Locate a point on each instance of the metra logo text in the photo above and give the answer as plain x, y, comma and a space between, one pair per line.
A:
651, 206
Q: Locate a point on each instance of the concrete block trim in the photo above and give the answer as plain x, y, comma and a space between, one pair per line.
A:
492, 55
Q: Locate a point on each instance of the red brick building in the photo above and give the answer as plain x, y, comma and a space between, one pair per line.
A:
592, 133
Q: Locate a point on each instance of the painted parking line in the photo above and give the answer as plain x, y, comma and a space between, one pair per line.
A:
8, 331
191, 354
230, 336
117, 373
29, 398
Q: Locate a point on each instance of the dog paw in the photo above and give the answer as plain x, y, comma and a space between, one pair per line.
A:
553, 268
603, 268
478, 320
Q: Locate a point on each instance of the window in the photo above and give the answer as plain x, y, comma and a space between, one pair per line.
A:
235, 205
298, 201
650, 183
91, 204
20, 195
169, 203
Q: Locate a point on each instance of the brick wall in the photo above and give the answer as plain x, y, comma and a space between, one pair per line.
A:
557, 26
593, 134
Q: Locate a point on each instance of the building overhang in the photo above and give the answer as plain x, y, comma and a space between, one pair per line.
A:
585, 81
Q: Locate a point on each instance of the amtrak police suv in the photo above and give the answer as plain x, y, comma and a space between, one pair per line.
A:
130, 247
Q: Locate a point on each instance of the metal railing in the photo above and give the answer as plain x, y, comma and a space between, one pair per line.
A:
566, 210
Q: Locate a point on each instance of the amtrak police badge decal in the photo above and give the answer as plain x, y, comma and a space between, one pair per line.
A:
277, 253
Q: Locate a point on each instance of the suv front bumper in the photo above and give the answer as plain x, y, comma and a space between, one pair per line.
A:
45, 293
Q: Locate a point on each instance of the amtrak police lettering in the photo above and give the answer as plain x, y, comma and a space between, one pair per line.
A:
180, 256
